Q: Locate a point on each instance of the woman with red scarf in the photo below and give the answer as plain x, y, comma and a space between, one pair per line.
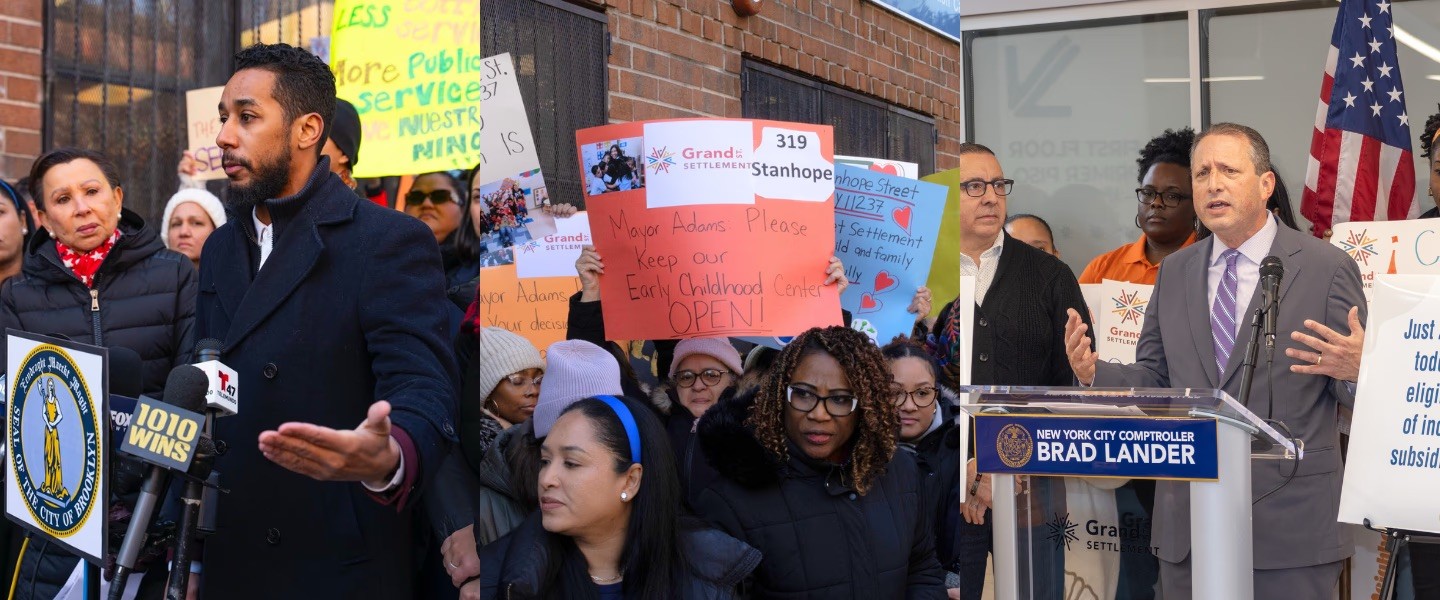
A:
96, 274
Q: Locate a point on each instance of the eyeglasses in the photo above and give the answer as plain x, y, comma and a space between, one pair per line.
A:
923, 397
437, 197
976, 188
711, 377
519, 380
805, 400
1169, 199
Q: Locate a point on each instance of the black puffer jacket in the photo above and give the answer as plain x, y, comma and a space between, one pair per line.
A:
937, 454
820, 538
514, 566
146, 296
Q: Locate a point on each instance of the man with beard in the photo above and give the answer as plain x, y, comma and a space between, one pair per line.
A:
331, 311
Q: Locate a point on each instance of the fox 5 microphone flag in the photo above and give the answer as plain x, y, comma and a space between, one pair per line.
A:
1360, 166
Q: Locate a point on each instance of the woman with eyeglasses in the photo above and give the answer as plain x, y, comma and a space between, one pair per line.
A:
1165, 214
810, 476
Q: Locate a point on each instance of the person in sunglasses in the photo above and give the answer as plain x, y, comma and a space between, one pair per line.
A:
438, 199
810, 476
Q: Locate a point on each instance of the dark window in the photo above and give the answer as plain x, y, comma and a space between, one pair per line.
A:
864, 126
560, 53
117, 72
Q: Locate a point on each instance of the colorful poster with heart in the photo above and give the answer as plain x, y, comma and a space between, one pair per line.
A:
684, 261
885, 232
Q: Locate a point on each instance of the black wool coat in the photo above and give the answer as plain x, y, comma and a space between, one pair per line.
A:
349, 309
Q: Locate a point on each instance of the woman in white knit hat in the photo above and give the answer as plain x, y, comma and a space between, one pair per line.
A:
190, 217
510, 373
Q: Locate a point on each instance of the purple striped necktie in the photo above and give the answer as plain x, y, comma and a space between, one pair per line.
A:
1223, 313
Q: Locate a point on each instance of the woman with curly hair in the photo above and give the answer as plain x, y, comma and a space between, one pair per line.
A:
810, 476
1428, 139
1165, 214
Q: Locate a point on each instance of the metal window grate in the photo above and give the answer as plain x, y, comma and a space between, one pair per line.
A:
864, 126
117, 72
560, 52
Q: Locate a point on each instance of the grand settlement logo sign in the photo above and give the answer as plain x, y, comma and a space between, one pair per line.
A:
55, 441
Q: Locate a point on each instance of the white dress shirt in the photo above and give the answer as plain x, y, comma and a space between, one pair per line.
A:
1247, 270
984, 273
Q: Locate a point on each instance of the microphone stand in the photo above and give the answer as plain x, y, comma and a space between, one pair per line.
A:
179, 582
1247, 367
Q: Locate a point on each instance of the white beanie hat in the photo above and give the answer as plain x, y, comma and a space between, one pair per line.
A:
574, 370
205, 199
503, 353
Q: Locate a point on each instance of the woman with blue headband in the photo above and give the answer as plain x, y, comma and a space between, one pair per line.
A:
15, 228
610, 525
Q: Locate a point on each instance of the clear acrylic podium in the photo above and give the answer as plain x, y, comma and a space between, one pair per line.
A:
1070, 528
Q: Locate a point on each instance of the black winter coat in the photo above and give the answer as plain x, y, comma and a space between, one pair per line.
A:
349, 309
820, 538
937, 455
513, 567
146, 296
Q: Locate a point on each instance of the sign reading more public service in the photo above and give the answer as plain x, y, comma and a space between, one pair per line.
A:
55, 441
1129, 447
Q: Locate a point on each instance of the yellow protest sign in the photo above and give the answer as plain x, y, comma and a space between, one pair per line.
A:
412, 68
945, 269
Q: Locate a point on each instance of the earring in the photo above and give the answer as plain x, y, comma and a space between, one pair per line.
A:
624, 496
1137, 222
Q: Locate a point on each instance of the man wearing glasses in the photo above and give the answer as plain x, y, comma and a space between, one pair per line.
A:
1021, 298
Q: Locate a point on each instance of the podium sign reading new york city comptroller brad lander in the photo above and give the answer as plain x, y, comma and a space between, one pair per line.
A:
56, 431
1129, 447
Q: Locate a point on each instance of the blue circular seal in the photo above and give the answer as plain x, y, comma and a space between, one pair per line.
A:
54, 445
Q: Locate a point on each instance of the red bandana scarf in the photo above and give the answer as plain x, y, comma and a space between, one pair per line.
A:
85, 265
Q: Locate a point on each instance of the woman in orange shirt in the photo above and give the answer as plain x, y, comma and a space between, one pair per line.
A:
1165, 215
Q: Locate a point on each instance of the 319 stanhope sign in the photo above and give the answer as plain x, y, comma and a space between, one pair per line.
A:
1130, 447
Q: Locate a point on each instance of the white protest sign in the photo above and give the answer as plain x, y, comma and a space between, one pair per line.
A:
788, 164
506, 146
1390, 247
1392, 471
202, 117
966, 304
699, 162
554, 255
1118, 315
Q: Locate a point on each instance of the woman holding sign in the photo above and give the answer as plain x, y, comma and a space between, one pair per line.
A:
811, 478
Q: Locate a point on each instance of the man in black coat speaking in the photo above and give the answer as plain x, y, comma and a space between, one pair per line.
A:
332, 312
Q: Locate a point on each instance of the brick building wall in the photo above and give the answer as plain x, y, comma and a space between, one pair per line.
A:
682, 58
21, 69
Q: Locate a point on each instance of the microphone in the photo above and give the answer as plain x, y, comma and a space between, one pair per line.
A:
184, 390
223, 394
198, 501
1271, 272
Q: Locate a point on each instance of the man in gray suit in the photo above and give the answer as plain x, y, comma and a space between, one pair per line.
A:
1195, 333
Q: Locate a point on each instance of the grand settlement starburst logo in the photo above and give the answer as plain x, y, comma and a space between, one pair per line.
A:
1360, 246
1062, 531
660, 160
1129, 306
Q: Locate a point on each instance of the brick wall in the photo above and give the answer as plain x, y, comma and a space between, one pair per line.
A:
21, 67
682, 58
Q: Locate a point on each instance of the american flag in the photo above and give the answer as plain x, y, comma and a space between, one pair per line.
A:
1360, 166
